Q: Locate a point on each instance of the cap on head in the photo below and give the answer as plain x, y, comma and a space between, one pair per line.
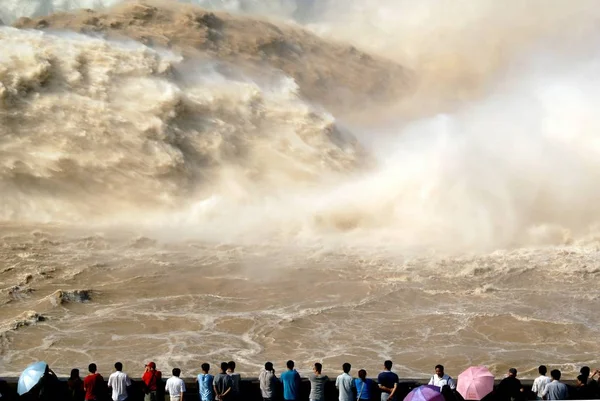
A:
151, 365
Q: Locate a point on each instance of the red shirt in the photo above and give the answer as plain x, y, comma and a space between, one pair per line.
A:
93, 385
150, 378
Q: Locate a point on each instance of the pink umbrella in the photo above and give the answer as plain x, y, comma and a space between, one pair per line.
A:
475, 383
425, 393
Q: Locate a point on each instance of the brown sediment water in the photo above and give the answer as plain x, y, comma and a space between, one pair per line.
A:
180, 304
183, 186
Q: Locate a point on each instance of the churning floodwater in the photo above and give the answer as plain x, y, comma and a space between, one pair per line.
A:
419, 187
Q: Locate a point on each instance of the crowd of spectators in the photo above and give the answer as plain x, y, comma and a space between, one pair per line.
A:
225, 385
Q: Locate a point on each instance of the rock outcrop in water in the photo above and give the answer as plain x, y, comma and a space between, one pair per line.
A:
337, 75
23, 320
60, 297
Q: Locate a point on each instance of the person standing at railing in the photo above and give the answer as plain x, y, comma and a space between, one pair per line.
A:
205, 384
555, 390
540, 383
175, 386
268, 382
317, 383
363, 386
118, 382
345, 384
291, 383
235, 381
152, 380
222, 384
388, 382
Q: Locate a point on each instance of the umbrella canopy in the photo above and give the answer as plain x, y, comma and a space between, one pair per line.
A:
475, 383
425, 393
31, 376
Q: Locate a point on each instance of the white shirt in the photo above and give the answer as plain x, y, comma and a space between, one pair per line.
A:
119, 381
175, 386
344, 385
442, 381
540, 384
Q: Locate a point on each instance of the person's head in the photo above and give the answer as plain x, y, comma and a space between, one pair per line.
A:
543, 370
74, 374
318, 368
512, 372
118, 366
362, 375
439, 370
231, 366
205, 367
346, 367
176, 372
290, 364
581, 380
92, 368
555, 374
585, 371
269, 366
224, 367
387, 365
151, 366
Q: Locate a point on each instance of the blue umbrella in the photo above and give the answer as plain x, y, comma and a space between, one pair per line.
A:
31, 376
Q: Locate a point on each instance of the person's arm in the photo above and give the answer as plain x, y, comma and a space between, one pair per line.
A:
384, 388
545, 392
451, 384
394, 390
381, 386
337, 383
182, 390
431, 381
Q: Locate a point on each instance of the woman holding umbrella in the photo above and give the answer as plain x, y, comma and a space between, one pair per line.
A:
38, 382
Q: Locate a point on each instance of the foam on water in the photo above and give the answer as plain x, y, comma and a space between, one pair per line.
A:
201, 203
